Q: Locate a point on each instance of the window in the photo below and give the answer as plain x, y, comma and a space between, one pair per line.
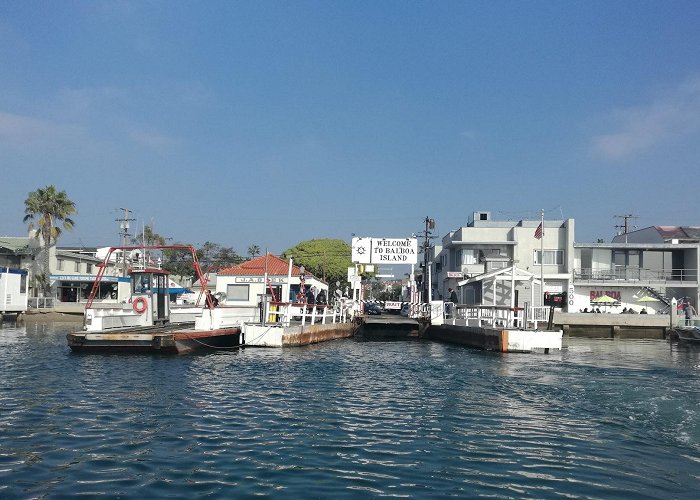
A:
551, 257
467, 256
77, 266
59, 264
238, 292
88, 268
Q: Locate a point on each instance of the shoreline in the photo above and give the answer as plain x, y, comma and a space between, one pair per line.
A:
40, 316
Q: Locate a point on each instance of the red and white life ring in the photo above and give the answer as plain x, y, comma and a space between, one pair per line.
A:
140, 305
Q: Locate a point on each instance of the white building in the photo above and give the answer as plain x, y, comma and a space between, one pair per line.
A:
244, 283
492, 262
643, 269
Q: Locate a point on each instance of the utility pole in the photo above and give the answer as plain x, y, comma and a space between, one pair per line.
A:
625, 226
429, 224
124, 233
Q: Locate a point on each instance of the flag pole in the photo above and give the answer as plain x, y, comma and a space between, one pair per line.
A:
542, 258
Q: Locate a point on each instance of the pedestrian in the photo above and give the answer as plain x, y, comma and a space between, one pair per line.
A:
451, 302
689, 312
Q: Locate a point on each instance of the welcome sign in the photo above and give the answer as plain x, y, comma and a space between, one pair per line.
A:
385, 250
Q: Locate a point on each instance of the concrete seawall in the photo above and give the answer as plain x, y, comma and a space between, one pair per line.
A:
637, 326
279, 336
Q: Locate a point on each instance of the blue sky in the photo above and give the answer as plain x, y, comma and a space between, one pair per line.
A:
270, 123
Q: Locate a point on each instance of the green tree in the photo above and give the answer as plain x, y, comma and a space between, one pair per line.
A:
211, 257
327, 259
253, 251
48, 208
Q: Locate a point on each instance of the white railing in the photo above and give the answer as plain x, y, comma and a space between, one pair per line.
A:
283, 313
495, 316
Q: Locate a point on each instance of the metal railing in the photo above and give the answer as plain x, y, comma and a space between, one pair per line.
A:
496, 316
41, 302
635, 274
283, 313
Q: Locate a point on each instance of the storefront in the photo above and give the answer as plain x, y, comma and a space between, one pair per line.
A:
77, 287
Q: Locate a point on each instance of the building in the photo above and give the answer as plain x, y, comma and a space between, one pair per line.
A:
498, 262
244, 284
644, 269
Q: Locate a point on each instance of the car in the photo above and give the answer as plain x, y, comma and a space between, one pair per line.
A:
373, 308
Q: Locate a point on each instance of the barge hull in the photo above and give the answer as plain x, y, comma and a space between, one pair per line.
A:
165, 342
497, 339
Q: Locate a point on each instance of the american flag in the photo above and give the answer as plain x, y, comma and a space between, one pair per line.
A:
539, 232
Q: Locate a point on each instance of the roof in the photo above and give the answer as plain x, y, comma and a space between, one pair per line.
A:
679, 232
15, 244
77, 256
661, 234
273, 265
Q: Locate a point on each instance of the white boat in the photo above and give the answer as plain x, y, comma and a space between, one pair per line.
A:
148, 321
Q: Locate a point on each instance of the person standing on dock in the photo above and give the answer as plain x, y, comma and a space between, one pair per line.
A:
689, 313
453, 301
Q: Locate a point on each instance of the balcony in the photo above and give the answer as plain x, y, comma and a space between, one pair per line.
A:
635, 275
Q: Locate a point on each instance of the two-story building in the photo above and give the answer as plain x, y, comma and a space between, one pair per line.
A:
640, 270
502, 262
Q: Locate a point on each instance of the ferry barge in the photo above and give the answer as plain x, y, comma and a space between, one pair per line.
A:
148, 322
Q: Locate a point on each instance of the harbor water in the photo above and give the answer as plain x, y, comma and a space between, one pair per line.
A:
348, 419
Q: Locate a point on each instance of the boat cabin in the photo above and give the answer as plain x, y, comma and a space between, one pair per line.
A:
150, 293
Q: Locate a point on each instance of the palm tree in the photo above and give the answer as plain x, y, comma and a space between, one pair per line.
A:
47, 208
253, 251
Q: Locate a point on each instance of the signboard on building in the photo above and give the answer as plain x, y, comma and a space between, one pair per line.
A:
385, 250
455, 274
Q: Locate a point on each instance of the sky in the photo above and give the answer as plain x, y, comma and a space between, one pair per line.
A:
273, 122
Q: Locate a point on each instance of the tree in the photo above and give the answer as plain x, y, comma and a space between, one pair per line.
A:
327, 259
253, 251
211, 257
48, 208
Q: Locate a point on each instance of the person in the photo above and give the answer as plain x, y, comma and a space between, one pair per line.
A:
689, 311
643, 311
310, 297
453, 299
210, 300
321, 298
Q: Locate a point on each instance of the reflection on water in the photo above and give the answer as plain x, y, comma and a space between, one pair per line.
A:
601, 419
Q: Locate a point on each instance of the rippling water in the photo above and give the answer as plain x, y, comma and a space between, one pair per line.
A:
602, 419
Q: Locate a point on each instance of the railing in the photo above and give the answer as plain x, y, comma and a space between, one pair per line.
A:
41, 302
495, 316
283, 313
635, 274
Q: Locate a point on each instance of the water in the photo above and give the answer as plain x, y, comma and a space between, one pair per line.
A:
346, 419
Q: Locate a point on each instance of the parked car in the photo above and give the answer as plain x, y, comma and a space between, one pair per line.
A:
373, 308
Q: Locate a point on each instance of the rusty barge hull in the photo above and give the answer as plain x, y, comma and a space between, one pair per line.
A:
154, 340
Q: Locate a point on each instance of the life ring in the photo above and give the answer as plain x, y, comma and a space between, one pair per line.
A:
140, 305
